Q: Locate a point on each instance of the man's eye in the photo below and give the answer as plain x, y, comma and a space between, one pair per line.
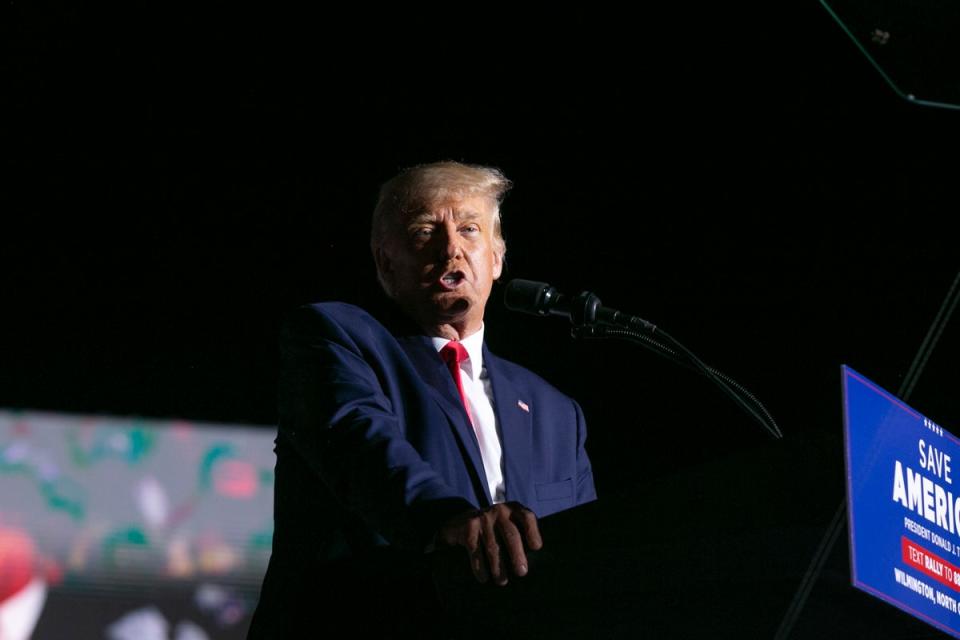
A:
422, 233
471, 228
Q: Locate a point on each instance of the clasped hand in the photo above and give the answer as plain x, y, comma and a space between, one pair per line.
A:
494, 538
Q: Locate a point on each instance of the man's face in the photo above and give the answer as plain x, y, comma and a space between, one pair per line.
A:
440, 263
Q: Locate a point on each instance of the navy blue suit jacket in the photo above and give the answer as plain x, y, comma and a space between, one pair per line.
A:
375, 449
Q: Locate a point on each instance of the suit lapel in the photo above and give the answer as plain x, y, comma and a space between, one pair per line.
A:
516, 428
434, 372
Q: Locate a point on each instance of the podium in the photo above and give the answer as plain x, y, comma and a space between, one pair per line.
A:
599, 575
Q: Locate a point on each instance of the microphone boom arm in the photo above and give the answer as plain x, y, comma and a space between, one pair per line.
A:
730, 387
592, 320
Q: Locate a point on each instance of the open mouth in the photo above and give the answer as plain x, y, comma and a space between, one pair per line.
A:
452, 279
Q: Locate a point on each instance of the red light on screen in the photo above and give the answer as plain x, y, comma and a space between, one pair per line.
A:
16, 561
235, 479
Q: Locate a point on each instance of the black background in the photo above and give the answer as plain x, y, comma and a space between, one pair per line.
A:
743, 178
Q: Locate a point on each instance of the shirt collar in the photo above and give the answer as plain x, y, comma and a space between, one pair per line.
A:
474, 346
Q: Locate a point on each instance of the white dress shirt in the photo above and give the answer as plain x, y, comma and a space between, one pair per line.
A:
479, 392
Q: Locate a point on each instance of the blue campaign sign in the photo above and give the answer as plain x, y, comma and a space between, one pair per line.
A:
903, 503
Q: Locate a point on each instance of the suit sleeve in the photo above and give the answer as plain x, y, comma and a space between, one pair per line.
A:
336, 416
586, 492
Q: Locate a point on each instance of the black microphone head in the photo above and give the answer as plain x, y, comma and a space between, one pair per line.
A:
529, 296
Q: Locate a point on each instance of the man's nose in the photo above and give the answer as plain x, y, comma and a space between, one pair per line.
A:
450, 244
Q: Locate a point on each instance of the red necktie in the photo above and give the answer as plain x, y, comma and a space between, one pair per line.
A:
453, 353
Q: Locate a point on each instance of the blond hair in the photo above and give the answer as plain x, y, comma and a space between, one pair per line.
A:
418, 187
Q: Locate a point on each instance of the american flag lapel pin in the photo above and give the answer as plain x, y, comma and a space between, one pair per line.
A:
523, 405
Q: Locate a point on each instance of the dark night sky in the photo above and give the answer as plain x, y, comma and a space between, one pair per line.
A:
745, 180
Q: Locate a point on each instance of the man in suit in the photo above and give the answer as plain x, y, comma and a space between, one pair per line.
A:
396, 441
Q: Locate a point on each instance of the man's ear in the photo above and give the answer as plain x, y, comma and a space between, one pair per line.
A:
497, 264
382, 260
384, 268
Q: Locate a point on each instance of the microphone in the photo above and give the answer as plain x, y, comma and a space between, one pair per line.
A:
592, 320
584, 309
